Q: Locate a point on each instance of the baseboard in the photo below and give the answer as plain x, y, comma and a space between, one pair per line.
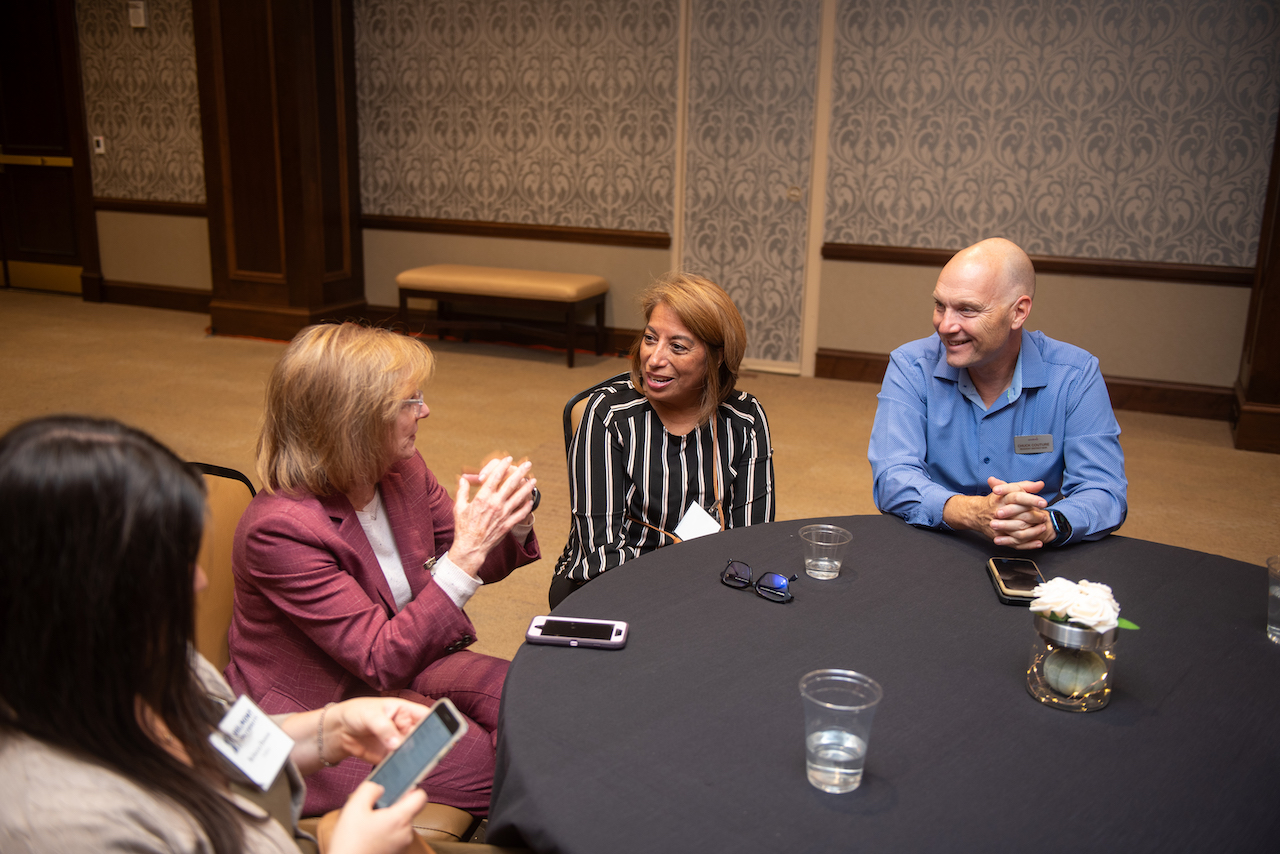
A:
155, 296
617, 341
277, 322
850, 365
1256, 426
1193, 401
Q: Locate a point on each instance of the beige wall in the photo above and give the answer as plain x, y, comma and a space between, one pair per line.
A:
1166, 331
152, 249
629, 270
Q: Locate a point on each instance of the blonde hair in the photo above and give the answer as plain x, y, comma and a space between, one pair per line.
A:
331, 402
706, 311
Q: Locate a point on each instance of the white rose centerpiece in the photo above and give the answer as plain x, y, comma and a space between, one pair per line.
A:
1085, 603
1074, 653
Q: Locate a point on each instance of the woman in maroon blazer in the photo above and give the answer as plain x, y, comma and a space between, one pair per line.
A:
353, 565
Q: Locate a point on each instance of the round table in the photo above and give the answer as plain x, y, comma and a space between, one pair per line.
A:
691, 738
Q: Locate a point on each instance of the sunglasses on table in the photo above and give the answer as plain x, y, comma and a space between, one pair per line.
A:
771, 585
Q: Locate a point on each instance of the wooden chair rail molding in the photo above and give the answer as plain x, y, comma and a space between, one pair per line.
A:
1241, 277
560, 233
147, 206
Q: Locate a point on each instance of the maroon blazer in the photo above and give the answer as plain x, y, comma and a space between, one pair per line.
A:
314, 619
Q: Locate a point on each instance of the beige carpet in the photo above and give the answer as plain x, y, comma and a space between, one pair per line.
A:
202, 395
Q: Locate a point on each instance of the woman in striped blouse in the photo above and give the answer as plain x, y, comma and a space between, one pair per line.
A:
672, 435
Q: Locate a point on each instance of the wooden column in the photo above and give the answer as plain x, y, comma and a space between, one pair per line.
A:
1256, 421
277, 104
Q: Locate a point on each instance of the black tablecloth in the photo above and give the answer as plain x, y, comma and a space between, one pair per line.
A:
691, 738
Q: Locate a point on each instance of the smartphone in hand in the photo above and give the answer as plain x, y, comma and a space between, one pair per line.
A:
430, 740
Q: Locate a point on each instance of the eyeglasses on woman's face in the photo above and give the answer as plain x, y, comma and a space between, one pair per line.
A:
404, 430
771, 585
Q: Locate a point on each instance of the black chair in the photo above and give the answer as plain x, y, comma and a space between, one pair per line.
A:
562, 586
578, 404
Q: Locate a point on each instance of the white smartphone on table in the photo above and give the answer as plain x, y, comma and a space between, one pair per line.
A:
577, 631
430, 740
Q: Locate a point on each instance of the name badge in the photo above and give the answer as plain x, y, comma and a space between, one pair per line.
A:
252, 742
696, 523
1033, 444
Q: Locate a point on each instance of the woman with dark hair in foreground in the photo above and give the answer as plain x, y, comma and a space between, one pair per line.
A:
105, 709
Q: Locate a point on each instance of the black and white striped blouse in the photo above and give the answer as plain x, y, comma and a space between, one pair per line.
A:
624, 463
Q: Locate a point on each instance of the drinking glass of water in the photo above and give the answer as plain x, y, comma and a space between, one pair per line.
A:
1273, 598
838, 708
824, 547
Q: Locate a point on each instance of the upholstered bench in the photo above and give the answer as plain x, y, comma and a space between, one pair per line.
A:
509, 289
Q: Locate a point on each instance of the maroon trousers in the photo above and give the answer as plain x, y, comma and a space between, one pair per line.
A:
464, 777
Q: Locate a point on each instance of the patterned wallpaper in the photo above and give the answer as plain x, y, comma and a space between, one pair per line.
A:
551, 112
1133, 129
1129, 129
140, 94
753, 73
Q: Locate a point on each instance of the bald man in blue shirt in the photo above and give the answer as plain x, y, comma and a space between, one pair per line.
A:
984, 426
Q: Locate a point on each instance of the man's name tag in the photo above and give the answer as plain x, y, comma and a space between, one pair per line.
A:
696, 523
1033, 444
252, 742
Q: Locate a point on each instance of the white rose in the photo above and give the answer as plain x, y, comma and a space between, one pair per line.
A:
1095, 587
1095, 609
1054, 596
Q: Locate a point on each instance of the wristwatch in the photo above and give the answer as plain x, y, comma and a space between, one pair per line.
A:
1061, 527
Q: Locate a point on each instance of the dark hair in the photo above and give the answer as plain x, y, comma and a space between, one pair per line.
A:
100, 526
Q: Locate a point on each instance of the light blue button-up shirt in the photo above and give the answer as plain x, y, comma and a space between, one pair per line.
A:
931, 441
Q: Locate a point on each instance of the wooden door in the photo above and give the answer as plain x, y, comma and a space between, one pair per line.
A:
47, 236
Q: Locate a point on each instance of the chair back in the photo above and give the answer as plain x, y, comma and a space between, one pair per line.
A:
577, 405
229, 494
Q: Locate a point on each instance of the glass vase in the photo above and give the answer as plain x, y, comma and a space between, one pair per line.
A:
1071, 667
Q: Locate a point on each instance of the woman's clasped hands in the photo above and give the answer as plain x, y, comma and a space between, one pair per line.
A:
503, 499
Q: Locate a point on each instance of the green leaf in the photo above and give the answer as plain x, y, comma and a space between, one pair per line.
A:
1126, 624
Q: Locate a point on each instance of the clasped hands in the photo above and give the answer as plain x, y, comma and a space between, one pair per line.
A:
1013, 514
503, 499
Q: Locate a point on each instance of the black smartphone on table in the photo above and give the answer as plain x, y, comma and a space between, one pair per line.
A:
1014, 578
